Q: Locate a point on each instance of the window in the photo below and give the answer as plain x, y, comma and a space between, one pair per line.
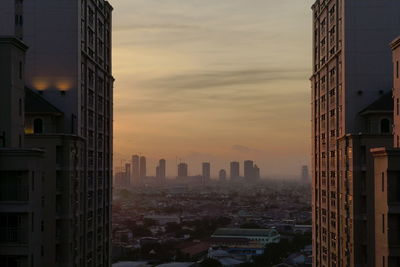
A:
38, 126
385, 126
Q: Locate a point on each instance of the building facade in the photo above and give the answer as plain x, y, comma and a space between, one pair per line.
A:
67, 113
351, 70
234, 170
182, 170
206, 172
135, 170
387, 184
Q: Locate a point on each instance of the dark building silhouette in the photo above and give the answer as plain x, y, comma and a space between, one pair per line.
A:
142, 168
234, 170
206, 172
162, 169
182, 170
135, 170
222, 175
249, 170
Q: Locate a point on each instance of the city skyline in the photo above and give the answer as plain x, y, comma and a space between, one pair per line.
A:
223, 66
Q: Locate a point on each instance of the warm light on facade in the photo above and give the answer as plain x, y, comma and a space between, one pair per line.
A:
40, 84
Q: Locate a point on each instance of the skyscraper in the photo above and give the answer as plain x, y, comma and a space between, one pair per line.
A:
162, 169
256, 172
182, 170
249, 170
222, 175
142, 168
68, 114
304, 174
135, 170
235, 170
387, 183
206, 170
351, 73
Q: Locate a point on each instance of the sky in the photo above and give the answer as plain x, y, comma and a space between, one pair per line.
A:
213, 80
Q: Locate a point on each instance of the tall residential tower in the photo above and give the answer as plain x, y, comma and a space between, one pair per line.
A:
351, 73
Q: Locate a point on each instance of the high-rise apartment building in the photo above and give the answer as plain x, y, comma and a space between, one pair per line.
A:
222, 175
68, 115
234, 170
387, 184
206, 172
351, 76
142, 169
182, 170
135, 170
305, 174
162, 169
249, 170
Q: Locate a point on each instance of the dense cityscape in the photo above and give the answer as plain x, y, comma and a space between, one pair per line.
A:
66, 202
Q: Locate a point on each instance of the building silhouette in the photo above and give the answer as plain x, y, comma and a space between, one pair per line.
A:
234, 170
249, 170
387, 183
206, 172
350, 114
182, 170
135, 170
305, 176
162, 169
256, 172
222, 175
142, 168
55, 133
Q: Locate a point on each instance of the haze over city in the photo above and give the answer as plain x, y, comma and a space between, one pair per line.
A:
213, 81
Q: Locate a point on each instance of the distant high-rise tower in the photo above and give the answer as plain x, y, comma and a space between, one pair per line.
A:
162, 169
235, 170
249, 170
256, 172
352, 69
127, 174
206, 170
222, 175
182, 170
305, 174
142, 168
135, 170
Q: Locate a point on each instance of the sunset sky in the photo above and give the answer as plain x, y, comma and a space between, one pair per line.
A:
213, 80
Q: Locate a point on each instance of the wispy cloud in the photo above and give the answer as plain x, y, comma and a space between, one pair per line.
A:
209, 79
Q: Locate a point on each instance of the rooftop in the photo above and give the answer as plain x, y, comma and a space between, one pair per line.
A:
245, 232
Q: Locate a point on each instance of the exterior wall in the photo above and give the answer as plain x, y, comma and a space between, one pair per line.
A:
72, 70
234, 171
12, 60
387, 203
61, 197
11, 18
21, 239
396, 91
348, 37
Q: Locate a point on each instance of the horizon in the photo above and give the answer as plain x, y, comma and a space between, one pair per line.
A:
211, 82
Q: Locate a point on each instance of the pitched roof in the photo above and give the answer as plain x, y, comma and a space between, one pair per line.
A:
384, 103
34, 103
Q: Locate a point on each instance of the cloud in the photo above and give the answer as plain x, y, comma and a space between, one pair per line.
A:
245, 149
210, 79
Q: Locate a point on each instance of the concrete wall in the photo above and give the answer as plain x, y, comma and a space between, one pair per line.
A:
369, 27
52, 32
